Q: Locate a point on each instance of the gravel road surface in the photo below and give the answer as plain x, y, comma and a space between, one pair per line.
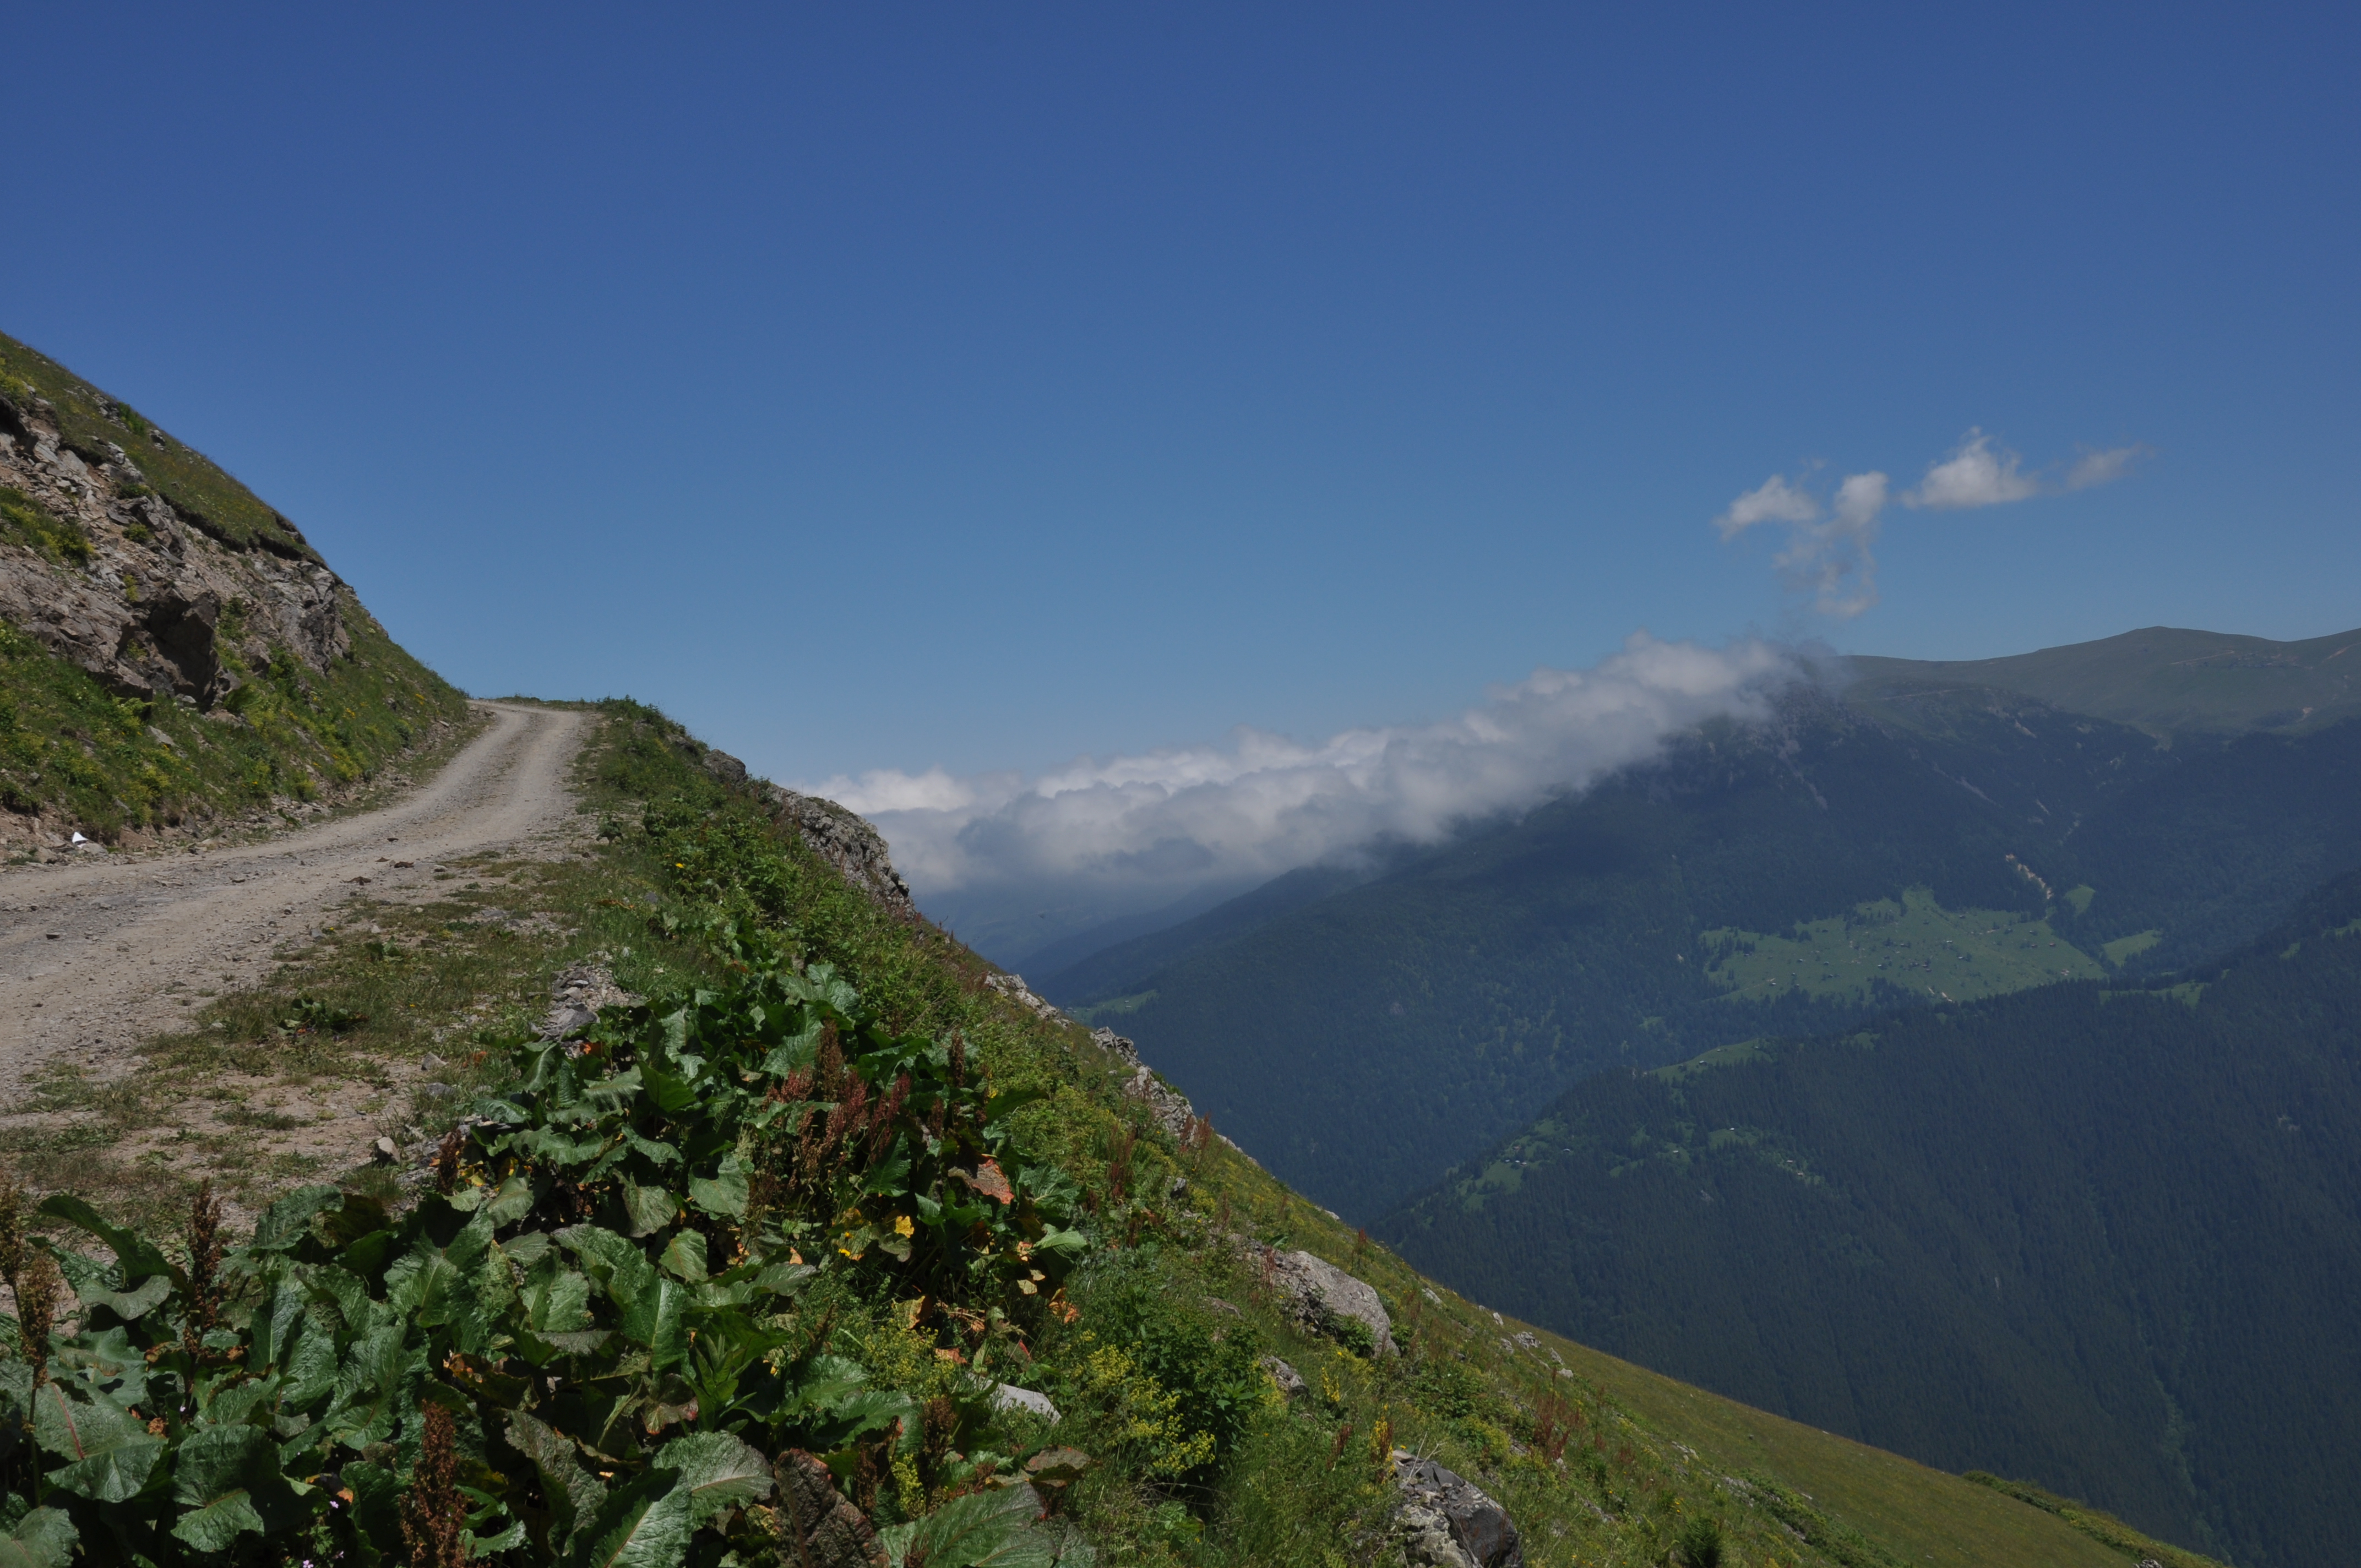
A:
87, 948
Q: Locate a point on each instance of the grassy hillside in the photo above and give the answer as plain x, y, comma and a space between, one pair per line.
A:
87, 741
72, 752
198, 487
2100, 1238
2161, 678
1174, 1447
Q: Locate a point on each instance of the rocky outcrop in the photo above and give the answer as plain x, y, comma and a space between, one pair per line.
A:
844, 840
1444, 1521
1323, 1298
1170, 1106
1013, 987
107, 574
576, 998
1289, 1381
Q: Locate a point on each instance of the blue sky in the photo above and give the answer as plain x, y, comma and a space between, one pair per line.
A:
915, 387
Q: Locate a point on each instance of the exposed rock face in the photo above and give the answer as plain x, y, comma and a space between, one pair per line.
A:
1013, 987
844, 840
825, 1530
1009, 1396
147, 610
1323, 1296
1444, 1521
1171, 1108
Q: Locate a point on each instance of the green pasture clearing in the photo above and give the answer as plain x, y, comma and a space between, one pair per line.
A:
1914, 944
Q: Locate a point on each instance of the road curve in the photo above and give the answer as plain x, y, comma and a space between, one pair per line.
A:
87, 948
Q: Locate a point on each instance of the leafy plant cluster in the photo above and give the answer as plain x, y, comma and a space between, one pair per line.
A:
603, 1335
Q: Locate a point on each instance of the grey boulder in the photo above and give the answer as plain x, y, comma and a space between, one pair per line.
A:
1323, 1296
1446, 1521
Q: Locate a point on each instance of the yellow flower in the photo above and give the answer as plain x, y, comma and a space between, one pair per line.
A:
902, 1226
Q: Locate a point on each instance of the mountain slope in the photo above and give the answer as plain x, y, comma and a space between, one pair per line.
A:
2105, 1239
1751, 881
171, 649
1173, 1447
2163, 678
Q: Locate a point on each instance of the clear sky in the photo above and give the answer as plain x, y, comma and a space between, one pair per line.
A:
978, 386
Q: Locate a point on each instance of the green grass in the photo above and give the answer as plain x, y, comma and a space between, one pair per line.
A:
113, 764
2101, 1526
1914, 946
1113, 1007
23, 521
2122, 949
88, 420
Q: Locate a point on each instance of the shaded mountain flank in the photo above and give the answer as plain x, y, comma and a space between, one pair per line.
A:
1867, 850
2105, 1237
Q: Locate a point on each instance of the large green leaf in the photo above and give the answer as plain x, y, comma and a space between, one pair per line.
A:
574, 1493
651, 1208
683, 1256
76, 1427
717, 1472
982, 1530
126, 1305
114, 1474
43, 1539
376, 1509
216, 1477
643, 1525
723, 1192
140, 1257
289, 1221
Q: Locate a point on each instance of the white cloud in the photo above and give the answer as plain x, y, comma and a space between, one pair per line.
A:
1973, 476
1832, 557
1831, 551
2103, 467
1151, 828
1774, 500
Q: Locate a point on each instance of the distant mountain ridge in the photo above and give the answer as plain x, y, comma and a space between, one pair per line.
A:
2163, 679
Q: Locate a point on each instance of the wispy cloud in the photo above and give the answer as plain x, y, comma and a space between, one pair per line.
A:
1152, 826
1831, 549
2103, 467
1830, 553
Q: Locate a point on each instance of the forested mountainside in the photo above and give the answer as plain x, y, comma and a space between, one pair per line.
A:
2105, 1238
1857, 855
172, 651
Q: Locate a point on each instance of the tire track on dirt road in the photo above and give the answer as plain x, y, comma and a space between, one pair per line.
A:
88, 950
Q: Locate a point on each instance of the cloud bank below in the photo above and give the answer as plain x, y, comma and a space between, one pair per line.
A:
1099, 838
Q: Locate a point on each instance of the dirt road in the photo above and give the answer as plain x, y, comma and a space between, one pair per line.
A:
88, 949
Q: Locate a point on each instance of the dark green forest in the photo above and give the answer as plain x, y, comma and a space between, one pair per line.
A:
2102, 1237
1360, 1040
